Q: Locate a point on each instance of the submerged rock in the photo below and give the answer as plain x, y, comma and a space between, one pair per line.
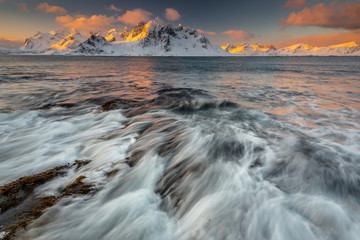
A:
19, 193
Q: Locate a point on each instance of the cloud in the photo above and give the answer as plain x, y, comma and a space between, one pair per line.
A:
159, 20
1, 1
323, 39
10, 42
334, 15
22, 7
113, 8
292, 4
171, 14
205, 32
45, 7
239, 35
135, 16
95, 22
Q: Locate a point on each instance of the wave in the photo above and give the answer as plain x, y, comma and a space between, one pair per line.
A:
182, 165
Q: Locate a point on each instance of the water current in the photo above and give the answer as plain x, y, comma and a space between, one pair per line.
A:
183, 148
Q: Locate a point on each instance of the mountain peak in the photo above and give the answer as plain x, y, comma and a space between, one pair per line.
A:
247, 48
298, 46
141, 30
348, 44
70, 42
153, 39
113, 35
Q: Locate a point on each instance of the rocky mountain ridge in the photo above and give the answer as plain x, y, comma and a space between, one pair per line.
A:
153, 39
143, 40
301, 49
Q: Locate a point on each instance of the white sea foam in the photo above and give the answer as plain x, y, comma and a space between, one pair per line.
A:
282, 163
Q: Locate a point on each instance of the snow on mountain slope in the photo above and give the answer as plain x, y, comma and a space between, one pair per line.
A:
93, 45
69, 43
151, 39
346, 45
250, 49
301, 49
297, 50
42, 41
345, 49
114, 35
350, 48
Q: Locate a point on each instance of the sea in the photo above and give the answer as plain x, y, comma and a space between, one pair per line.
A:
235, 148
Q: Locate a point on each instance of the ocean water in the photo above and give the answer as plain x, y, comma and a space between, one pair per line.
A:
202, 148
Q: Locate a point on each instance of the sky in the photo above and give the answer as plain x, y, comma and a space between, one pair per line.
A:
278, 22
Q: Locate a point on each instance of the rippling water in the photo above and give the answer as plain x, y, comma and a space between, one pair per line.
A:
186, 148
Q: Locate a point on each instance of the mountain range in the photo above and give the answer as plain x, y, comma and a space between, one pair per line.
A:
153, 39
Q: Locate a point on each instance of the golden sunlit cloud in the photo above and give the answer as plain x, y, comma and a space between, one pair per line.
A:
22, 7
45, 7
323, 39
334, 15
135, 16
171, 14
205, 32
292, 4
239, 35
113, 8
10, 42
95, 22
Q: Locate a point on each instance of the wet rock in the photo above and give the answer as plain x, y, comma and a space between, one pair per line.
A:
12, 194
78, 187
119, 104
52, 105
28, 216
38, 206
80, 163
228, 104
112, 173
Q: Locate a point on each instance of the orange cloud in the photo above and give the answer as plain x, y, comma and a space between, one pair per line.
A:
334, 15
205, 32
113, 8
44, 7
239, 35
22, 7
135, 16
171, 14
294, 4
95, 22
1, 1
323, 39
159, 21
10, 42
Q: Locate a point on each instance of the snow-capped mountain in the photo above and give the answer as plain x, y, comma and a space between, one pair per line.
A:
301, 49
144, 39
152, 39
69, 43
94, 45
345, 49
114, 35
250, 49
42, 41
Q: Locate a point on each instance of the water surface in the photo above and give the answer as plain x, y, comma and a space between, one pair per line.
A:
204, 148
